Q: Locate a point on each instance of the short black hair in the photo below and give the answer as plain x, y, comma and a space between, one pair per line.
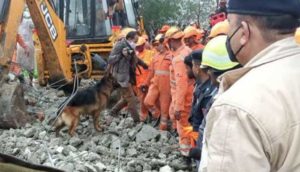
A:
188, 60
197, 56
131, 35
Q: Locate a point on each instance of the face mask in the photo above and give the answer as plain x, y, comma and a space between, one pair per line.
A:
231, 54
132, 45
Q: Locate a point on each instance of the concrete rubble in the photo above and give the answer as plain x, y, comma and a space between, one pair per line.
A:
122, 146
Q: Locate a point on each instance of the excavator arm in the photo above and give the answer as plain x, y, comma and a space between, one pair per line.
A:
55, 63
10, 17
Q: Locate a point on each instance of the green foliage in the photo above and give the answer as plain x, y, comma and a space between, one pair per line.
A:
175, 12
158, 12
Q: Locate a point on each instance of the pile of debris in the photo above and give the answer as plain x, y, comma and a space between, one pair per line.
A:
122, 146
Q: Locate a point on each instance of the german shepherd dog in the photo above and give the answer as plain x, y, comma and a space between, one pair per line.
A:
89, 101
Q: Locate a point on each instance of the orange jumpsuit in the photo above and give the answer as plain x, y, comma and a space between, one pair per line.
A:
159, 90
182, 96
141, 77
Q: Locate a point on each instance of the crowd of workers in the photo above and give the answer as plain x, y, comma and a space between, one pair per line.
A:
228, 95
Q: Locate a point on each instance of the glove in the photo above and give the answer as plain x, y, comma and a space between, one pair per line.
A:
125, 52
144, 88
145, 67
26, 50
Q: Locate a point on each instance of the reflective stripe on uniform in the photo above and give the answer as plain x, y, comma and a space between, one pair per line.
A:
162, 72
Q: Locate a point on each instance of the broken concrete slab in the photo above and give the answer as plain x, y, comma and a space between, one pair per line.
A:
147, 133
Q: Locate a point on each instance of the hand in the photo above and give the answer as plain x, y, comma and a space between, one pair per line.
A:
125, 52
177, 115
145, 67
144, 88
26, 50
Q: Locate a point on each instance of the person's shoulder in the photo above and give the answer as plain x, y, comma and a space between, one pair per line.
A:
260, 92
121, 44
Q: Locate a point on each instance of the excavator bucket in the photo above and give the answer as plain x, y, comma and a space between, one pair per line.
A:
12, 106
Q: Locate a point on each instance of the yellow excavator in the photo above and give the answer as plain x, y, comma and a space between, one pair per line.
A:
72, 34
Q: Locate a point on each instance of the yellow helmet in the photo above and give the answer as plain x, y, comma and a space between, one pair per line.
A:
219, 28
191, 31
174, 33
125, 31
215, 55
297, 35
141, 41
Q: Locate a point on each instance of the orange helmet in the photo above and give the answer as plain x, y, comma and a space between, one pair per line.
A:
297, 35
219, 29
141, 41
174, 33
164, 29
191, 31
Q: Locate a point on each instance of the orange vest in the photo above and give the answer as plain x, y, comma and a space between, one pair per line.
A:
141, 73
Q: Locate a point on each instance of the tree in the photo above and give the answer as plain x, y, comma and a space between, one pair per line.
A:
175, 12
158, 12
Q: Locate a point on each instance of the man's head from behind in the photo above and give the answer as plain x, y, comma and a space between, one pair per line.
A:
197, 59
256, 24
188, 61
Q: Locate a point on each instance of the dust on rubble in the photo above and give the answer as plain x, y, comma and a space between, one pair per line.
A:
122, 146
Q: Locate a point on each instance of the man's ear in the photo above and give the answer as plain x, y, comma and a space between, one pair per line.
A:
245, 33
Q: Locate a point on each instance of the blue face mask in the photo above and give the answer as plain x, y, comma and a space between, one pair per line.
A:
231, 54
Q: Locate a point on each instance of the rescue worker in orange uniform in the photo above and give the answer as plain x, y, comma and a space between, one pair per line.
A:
142, 75
181, 87
192, 38
159, 83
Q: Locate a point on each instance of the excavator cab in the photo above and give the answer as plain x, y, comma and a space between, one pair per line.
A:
92, 26
3, 10
91, 21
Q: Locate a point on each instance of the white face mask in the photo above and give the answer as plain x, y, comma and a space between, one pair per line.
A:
132, 44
